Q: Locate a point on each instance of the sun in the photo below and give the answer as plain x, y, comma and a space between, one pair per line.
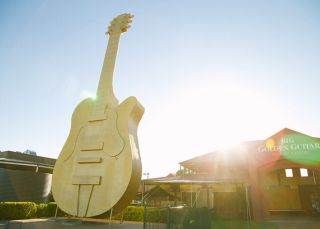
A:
224, 113
200, 119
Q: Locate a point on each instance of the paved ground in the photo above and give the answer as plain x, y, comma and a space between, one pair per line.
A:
66, 224
298, 223
285, 223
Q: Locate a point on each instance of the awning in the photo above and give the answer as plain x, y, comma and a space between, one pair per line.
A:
26, 166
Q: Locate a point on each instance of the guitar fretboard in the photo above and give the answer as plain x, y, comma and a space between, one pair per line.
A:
105, 88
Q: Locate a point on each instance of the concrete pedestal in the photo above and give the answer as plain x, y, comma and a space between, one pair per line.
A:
63, 223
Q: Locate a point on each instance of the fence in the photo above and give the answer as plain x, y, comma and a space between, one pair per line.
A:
181, 217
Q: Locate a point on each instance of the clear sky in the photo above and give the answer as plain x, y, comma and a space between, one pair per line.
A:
209, 73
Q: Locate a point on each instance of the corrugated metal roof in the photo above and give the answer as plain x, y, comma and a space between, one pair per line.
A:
191, 179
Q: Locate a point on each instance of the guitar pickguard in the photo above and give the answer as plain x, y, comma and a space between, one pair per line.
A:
102, 135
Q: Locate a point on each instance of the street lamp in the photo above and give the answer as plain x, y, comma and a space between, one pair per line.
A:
146, 174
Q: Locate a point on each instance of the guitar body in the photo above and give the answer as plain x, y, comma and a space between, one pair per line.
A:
99, 167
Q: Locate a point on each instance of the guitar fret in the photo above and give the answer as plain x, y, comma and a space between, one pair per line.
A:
92, 146
88, 160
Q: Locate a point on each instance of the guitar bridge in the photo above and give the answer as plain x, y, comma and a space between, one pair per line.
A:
89, 160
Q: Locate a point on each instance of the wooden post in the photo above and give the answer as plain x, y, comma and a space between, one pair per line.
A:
208, 196
191, 196
259, 206
248, 209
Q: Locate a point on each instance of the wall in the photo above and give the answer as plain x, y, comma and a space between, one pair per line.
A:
283, 193
18, 185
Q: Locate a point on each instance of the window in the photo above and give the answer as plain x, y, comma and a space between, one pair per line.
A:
289, 172
304, 172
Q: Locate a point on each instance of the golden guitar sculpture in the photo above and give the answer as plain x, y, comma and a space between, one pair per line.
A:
99, 167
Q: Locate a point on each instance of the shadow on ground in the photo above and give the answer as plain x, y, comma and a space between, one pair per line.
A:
58, 223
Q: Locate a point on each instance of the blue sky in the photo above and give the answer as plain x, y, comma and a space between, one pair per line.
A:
209, 73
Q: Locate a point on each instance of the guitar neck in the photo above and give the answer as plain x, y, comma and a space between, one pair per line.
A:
105, 89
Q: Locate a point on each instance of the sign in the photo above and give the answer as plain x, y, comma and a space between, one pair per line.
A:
295, 147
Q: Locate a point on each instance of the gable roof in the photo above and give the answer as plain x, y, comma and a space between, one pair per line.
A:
202, 162
205, 161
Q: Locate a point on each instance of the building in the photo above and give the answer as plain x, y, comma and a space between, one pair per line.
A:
25, 177
253, 180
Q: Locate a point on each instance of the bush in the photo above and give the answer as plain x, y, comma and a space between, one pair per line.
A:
46, 210
17, 210
25, 210
131, 213
159, 215
136, 213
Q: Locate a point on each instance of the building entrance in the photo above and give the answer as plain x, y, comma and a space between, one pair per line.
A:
310, 198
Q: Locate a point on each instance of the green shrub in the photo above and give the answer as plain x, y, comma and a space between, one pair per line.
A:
41, 210
131, 213
136, 213
157, 215
17, 210
46, 210
24, 210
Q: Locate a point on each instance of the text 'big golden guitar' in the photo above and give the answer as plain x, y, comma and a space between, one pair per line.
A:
99, 167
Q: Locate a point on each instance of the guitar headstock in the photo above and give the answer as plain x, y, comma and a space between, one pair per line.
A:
120, 24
